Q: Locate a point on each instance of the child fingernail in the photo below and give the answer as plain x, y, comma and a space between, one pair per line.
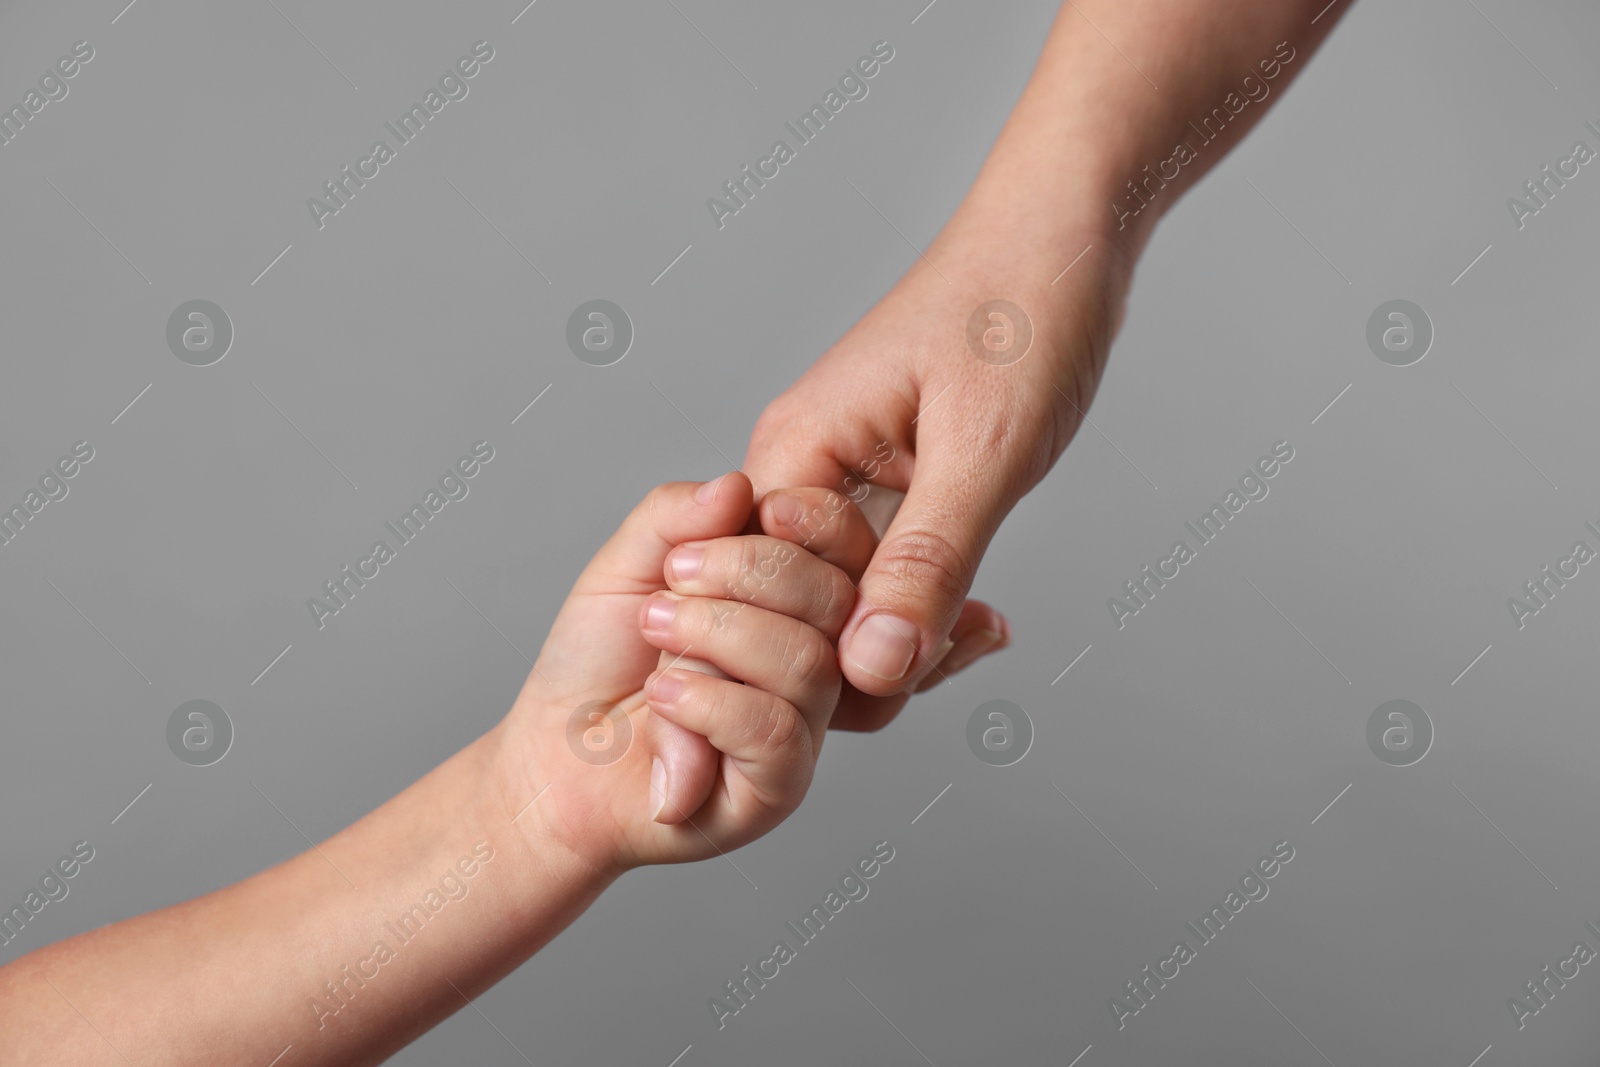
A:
665, 689
883, 646
658, 787
685, 563
660, 615
787, 509
707, 493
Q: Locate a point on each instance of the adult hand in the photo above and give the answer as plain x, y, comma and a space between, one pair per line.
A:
829, 525
962, 420
1092, 156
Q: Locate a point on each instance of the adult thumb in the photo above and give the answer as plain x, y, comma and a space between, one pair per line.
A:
914, 588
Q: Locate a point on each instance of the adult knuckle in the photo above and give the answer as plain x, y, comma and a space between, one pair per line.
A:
925, 559
1019, 435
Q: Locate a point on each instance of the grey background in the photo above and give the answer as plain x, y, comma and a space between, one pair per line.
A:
1195, 738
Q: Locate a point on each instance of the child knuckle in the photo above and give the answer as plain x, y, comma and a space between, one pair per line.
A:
782, 730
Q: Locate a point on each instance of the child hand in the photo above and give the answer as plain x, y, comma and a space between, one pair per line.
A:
764, 611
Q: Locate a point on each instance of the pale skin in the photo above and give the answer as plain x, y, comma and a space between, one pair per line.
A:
228, 977
1088, 123
969, 439
527, 832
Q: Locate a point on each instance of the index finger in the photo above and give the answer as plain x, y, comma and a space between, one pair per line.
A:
823, 521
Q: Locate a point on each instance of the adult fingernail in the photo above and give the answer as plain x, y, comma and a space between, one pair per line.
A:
665, 689
685, 563
787, 509
658, 787
883, 647
971, 648
707, 493
660, 614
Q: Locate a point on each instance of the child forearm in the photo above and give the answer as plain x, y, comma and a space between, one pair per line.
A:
346, 951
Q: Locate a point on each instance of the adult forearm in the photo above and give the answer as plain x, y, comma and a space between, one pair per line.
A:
346, 951
1132, 101
1011, 311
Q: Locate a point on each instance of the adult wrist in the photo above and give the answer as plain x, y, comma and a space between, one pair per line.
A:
1037, 235
1064, 263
